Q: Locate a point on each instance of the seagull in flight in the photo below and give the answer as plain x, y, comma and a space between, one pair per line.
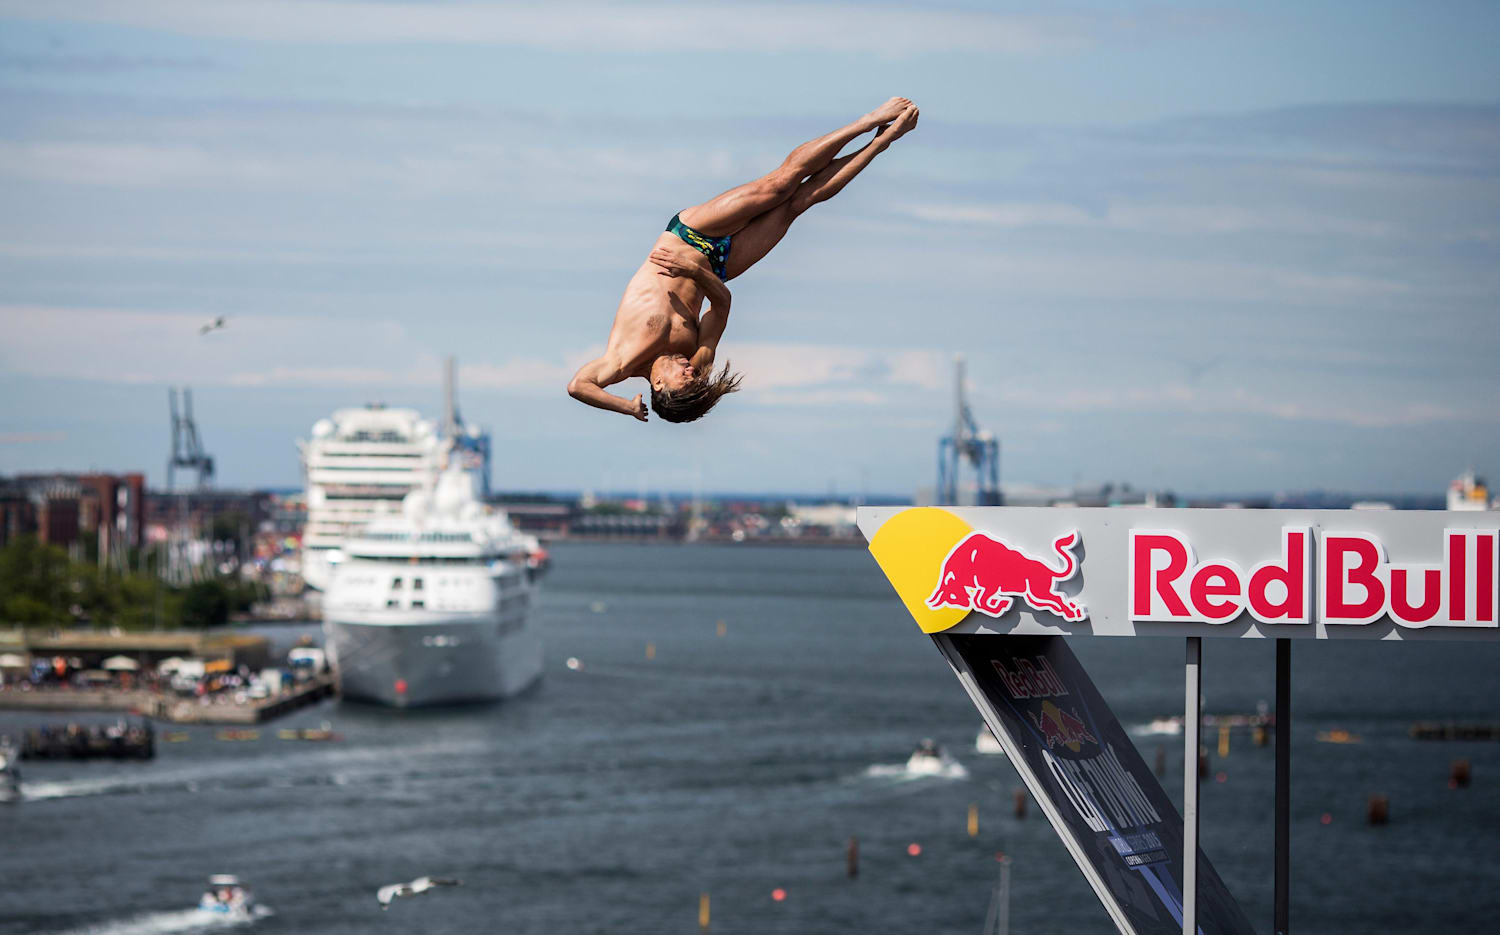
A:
215, 325
385, 894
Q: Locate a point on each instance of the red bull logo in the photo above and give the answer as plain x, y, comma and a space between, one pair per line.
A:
987, 574
1061, 729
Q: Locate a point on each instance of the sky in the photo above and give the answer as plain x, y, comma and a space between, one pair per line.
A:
1204, 247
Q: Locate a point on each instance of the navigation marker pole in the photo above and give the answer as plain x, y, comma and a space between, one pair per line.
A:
1192, 718
997, 919
1283, 783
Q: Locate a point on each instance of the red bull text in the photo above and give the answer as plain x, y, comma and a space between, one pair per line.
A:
1355, 582
1029, 680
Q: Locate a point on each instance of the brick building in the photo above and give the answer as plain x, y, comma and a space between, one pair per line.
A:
60, 508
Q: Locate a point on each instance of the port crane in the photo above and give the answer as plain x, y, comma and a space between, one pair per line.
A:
967, 443
187, 447
472, 447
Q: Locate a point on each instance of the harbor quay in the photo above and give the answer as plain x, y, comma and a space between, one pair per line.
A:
181, 677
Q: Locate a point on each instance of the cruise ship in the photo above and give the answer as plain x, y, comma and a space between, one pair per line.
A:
433, 605
361, 463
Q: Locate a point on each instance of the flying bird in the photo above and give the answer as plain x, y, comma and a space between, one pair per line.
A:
215, 325
385, 894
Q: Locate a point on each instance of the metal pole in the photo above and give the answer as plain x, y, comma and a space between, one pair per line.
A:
997, 919
1002, 923
1191, 723
1283, 782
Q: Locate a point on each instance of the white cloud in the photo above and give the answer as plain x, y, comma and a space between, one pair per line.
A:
30, 438
132, 347
1158, 218
788, 366
1012, 214
192, 165
656, 27
809, 399
1290, 404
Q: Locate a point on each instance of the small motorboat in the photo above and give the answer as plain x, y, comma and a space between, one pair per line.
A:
10, 774
324, 733
227, 896
929, 759
986, 743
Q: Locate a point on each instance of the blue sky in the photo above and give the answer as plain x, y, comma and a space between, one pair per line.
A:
1204, 247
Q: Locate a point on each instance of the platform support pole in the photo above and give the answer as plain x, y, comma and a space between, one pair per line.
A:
1192, 720
1283, 782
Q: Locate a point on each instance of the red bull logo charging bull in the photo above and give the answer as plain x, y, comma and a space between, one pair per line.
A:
988, 574
1061, 728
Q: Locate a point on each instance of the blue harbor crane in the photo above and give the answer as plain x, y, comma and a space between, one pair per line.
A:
470, 444
968, 443
187, 448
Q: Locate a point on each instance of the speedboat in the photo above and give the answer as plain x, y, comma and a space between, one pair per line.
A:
227, 896
10, 774
987, 743
929, 759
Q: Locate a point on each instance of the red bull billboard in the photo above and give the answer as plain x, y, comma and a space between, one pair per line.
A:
1323, 574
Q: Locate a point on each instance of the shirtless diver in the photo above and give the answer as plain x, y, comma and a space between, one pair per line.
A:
659, 333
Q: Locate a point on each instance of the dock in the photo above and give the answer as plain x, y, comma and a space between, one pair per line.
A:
1448, 730
170, 708
80, 742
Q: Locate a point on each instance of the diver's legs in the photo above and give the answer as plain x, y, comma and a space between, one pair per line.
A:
765, 231
729, 212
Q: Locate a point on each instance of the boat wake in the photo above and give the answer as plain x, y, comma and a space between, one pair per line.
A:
170, 923
1158, 727
340, 767
67, 789
901, 772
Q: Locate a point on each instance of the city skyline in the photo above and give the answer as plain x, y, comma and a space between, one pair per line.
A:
1203, 248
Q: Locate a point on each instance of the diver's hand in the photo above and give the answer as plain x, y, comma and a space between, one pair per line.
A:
675, 264
638, 407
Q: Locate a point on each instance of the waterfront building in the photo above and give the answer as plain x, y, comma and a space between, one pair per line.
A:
60, 508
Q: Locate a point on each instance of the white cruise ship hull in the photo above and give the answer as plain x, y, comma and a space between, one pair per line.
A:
411, 658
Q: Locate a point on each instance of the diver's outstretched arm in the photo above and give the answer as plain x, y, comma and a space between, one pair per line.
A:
587, 386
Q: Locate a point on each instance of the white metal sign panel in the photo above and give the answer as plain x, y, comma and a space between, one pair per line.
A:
1324, 574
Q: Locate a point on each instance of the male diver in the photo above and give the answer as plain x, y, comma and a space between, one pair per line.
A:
658, 332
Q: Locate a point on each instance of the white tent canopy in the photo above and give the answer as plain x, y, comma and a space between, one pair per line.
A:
12, 661
120, 664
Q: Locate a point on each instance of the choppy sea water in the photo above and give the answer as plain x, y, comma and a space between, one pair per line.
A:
612, 795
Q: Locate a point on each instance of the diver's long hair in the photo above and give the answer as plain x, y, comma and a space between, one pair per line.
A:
695, 399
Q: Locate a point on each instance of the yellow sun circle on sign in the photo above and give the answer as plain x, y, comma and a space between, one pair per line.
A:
910, 548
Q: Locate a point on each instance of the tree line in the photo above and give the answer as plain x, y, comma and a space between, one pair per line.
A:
40, 585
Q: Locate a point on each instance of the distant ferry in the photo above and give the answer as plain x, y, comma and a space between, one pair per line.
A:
1468, 492
433, 605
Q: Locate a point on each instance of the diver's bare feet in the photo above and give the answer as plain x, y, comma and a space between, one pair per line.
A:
886, 112
902, 125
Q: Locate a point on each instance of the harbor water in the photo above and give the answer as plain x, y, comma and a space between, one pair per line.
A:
735, 715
